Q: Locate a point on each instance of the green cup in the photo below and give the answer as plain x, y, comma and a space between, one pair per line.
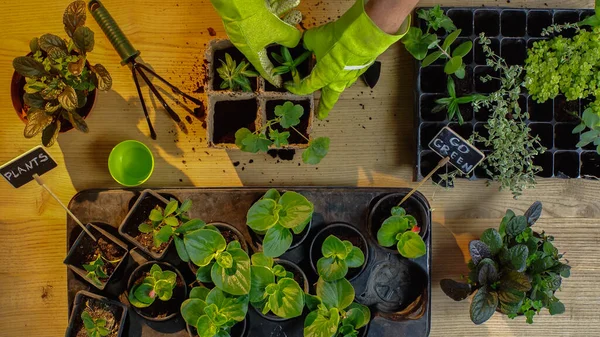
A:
131, 163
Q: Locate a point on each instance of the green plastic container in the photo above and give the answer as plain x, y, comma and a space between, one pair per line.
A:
131, 163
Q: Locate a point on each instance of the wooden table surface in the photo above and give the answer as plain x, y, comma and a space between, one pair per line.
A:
372, 137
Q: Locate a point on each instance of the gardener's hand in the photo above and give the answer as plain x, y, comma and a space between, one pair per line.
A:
252, 25
347, 47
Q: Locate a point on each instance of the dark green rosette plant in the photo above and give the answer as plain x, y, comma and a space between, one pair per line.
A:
276, 217
333, 311
94, 327
514, 270
162, 223
274, 289
401, 230
213, 312
158, 284
235, 76
338, 256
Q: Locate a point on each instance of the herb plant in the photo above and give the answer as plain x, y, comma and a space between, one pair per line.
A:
157, 284
402, 230
97, 269
287, 116
338, 256
274, 289
57, 78
94, 327
452, 103
288, 64
591, 120
334, 312
213, 312
514, 270
276, 216
163, 223
235, 76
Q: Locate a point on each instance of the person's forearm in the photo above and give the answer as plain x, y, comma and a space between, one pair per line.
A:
389, 14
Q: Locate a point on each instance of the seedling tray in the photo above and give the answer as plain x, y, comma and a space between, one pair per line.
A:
512, 31
108, 208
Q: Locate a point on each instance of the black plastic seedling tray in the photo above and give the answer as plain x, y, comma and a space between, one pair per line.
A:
406, 281
512, 31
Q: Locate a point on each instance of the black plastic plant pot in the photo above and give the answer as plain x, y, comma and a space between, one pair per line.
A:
139, 213
343, 232
115, 314
159, 311
238, 330
85, 250
383, 208
297, 239
230, 234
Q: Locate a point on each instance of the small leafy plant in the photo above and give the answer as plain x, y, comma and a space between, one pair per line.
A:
338, 256
514, 270
590, 119
213, 312
276, 216
94, 327
97, 269
163, 223
157, 284
334, 312
452, 103
235, 76
288, 64
401, 230
274, 289
57, 78
287, 116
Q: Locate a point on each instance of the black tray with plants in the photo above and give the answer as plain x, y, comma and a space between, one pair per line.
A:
313, 262
496, 76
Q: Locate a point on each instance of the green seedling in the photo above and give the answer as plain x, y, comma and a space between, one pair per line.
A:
157, 284
276, 217
338, 256
235, 76
94, 327
288, 64
163, 223
401, 230
452, 103
97, 269
591, 120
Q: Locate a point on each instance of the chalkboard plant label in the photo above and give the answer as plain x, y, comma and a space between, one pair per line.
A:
464, 156
514, 270
20, 170
95, 315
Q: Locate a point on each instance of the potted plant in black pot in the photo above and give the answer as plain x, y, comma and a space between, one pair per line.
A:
338, 251
96, 316
54, 87
513, 270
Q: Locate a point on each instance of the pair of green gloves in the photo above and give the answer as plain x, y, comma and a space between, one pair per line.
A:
344, 49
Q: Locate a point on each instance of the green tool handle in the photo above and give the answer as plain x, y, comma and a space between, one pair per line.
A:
115, 35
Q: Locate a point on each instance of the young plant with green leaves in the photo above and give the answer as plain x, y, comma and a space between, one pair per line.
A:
213, 312
235, 76
401, 230
590, 119
162, 223
96, 270
274, 289
425, 46
288, 117
338, 257
157, 284
276, 217
288, 64
333, 311
58, 79
452, 103
514, 270
94, 327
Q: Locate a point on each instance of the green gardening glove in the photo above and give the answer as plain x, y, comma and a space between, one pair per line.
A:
344, 49
253, 25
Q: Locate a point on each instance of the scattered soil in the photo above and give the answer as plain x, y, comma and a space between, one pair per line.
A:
295, 138
88, 251
230, 116
188, 119
211, 31
98, 309
238, 57
160, 309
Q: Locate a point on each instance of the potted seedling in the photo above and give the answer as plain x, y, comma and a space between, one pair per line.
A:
96, 316
338, 251
213, 312
292, 64
333, 311
235, 76
452, 103
156, 290
54, 87
96, 261
280, 220
277, 293
152, 221
401, 230
513, 270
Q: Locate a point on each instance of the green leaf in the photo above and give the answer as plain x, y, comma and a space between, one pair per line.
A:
145, 228
411, 245
338, 294
164, 234
453, 65
590, 118
505, 220
261, 277
357, 315
260, 259
225, 260
355, 258
34, 45
192, 309
579, 128
431, 58
171, 207
416, 43
78, 122
278, 58
318, 325
331, 269
74, 17
206, 327
202, 245
272, 194
279, 139
190, 226
556, 308
171, 221
290, 114
237, 281
312, 302
517, 257
483, 306
450, 39
142, 293
68, 99
295, 211
164, 289
28, 67
492, 239
233, 307
288, 300
463, 49
516, 225
199, 293
391, 227
478, 251
83, 38
155, 215
254, 143
316, 151
455, 290
34, 100
277, 241
263, 215
333, 247
50, 133
48, 41
203, 273
487, 272
180, 247
512, 279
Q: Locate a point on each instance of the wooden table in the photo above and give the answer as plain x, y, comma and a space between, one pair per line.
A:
372, 139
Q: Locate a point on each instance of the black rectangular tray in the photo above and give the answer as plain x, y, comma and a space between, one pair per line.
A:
107, 208
512, 31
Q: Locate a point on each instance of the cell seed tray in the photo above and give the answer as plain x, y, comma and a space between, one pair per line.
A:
511, 31
387, 277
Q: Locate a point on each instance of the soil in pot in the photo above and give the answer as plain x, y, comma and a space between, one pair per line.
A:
98, 310
294, 138
238, 57
344, 233
303, 69
140, 215
230, 116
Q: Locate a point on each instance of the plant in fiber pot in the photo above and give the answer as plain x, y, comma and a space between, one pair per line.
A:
235, 76
513, 270
401, 230
279, 220
54, 86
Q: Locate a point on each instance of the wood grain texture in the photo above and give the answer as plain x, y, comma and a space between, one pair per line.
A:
372, 137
